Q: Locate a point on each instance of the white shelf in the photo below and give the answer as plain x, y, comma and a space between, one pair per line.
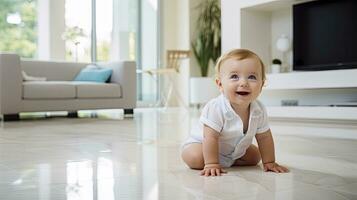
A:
315, 112
312, 80
268, 5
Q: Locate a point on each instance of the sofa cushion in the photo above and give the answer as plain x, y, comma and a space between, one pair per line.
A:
49, 90
97, 90
94, 73
26, 77
52, 70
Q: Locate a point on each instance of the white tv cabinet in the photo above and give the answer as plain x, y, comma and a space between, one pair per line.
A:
256, 25
312, 80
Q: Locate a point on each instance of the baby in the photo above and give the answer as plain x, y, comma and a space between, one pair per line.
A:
228, 123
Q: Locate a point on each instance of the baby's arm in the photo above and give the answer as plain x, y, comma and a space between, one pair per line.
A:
210, 153
266, 148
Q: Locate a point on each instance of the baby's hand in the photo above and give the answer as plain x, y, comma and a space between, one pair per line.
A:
275, 167
212, 170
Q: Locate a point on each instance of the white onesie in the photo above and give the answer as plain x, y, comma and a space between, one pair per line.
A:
220, 116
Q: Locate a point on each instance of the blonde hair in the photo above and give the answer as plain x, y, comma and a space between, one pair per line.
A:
239, 54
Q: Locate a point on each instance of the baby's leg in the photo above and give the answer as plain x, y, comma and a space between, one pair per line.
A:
251, 157
192, 155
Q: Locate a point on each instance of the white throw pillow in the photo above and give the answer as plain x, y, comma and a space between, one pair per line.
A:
26, 77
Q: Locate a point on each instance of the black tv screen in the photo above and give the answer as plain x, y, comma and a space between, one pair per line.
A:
325, 35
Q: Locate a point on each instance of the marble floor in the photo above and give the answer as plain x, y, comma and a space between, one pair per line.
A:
111, 157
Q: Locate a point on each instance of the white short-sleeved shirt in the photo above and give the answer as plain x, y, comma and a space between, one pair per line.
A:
220, 116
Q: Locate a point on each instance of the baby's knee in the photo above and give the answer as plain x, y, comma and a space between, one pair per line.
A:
194, 160
256, 158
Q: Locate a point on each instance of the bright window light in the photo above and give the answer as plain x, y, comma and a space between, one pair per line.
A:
13, 18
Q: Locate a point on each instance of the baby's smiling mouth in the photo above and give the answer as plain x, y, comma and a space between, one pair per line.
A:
243, 93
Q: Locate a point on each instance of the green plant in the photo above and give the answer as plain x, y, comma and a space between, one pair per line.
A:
207, 44
276, 61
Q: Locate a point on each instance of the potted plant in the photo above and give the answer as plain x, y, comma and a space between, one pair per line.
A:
276, 65
206, 48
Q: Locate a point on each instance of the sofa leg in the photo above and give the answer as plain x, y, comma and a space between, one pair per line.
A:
72, 114
128, 111
11, 117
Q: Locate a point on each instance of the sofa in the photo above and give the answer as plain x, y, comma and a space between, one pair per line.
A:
59, 92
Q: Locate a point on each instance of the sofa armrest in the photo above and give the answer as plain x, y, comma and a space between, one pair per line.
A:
124, 73
10, 83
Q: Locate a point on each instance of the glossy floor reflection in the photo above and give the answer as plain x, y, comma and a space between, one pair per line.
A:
111, 157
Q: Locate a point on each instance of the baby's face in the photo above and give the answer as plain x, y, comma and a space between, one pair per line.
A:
240, 80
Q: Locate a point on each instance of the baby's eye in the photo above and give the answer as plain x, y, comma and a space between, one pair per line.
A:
253, 77
234, 76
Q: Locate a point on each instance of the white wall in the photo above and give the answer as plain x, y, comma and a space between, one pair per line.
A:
51, 25
231, 18
256, 33
175, 35
175, 20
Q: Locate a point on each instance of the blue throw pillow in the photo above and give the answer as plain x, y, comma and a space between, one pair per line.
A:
94, 74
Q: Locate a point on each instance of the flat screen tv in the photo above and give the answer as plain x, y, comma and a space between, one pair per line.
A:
325, 35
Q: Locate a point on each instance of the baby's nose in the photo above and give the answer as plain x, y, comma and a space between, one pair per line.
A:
243, 82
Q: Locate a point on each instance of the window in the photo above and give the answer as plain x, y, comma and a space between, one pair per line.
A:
18, 31
149, 47
104, 28
77, 33
116, 30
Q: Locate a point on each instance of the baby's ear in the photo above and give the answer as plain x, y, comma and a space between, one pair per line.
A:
219, 84
263, 85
